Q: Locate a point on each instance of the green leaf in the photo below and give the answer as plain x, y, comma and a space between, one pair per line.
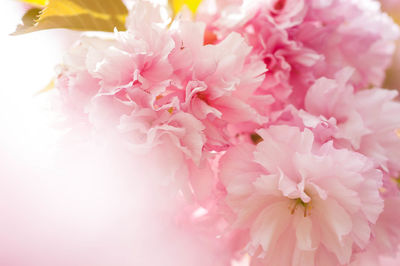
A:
83, 15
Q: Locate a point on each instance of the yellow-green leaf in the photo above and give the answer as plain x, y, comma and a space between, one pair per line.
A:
83, 15
36, 2
178, 4
31, 16
49, 87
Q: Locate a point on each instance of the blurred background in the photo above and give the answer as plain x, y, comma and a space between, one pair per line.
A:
27, 66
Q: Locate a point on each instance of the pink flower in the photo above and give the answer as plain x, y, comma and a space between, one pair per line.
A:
304, 204
261, 128
367, 121
386, 231
116, 88
386, 234
163, 93
390, 261
384, 245
75, 84
340, 29
139, 55
216, 83
301, 41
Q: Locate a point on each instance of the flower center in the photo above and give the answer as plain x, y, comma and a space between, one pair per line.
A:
280, 4
203, 97
299, 202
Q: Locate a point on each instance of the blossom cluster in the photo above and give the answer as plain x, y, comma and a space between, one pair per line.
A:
267, 116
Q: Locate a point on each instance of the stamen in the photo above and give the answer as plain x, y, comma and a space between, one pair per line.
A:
294, 205
398, 132
397, 181
255, 138
293, 208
